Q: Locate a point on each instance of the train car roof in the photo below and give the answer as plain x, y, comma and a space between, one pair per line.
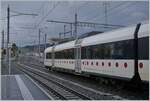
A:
49, 49
66, 45
144, 30
115, 35
60, 47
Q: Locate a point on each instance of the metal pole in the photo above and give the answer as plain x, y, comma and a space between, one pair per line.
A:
7, 34
8, 18
34, 47
39, 42
44, 55
2, 56
2, 39
8, 15
59, 35
45, 40
75, 27
106, 17
71, 29
9, 60
64, 30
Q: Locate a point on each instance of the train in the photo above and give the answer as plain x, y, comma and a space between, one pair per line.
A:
118, 54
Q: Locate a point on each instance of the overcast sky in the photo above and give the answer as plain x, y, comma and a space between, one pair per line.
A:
118, 12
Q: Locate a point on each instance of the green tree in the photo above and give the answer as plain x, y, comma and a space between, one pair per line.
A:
14, 49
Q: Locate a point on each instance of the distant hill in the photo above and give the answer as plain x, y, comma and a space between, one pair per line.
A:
33, 47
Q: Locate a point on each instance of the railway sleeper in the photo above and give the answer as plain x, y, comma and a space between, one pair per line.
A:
66, 94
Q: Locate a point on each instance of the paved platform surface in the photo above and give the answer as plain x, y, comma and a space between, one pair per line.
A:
21, 87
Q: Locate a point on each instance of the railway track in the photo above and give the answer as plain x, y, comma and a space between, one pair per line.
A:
125, 93
65, 89
58, 90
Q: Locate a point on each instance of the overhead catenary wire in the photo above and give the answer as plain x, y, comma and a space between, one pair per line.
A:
109, 10
50, 11
41, 7
39, 10
128, 4
129, 19
77, 9
67, 16
44, 17
20, 13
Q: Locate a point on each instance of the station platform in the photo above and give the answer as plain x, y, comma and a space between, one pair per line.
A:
21, 87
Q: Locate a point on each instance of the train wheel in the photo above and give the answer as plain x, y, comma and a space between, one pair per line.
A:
49, 68
106, 82
101, 81
46, 67
119, 84
112, 82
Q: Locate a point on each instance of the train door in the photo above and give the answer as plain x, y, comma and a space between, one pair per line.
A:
78, 59
53, 57
78, 56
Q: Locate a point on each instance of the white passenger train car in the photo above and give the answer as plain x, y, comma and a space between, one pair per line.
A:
110, 54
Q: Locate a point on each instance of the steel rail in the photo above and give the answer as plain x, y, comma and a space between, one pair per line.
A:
66, 97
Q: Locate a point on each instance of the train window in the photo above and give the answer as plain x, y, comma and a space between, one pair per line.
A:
65, 54
101, 49
48, 55
95, 52
114, 50
128, 49
143, 48
57, 55
107, 51
118, 50
72, 54
122, 50
86, 52
83, 54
